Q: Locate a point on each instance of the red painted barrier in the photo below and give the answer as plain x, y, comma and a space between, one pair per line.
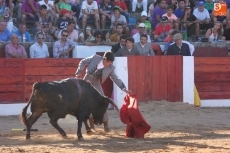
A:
212, 77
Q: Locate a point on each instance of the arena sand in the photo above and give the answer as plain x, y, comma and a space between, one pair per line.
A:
175, 127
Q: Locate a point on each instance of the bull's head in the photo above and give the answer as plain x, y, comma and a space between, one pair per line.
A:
98, 113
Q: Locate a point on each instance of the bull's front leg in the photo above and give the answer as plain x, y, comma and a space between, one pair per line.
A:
79, 134
87, 128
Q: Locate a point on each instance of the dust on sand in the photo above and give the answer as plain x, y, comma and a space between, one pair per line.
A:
175, 127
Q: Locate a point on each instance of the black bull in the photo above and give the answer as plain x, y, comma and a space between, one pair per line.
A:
59, 98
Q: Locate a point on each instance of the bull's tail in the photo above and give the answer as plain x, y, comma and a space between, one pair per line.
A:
24, 110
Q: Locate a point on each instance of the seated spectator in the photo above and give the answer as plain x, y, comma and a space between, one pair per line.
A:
162, 30
118, 18
48, 34
158, 12
106, 10
62, 21
14, 49
88, 34
139, 4
172, 17
6, 15
180, 11
123, 8
76, 7
89, 11
73, 34
64, 46
23, 35
222, 19
120, 44
106, 38
42, 18
144, 20
97, 41
116, 36
174, 3
143, 47
17, 10
141, 30
202, 18
215, 33
50, 8
129, 49
29, 10
178, 48
66, 5
189, 22
4, 32
151, 8
209, 5
57, 9
39, 49
226, 35
134, 31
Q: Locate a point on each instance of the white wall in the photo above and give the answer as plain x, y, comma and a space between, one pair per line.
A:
12, 109
86, 51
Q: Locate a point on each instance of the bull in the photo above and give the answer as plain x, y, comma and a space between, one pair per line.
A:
69, 96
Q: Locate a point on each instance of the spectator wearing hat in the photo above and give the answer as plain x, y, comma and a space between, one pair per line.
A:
118, 18
171, 17
145, 21
129, 49
143, 47
202, 18
139, 4
89, 12
106, 10
141, 29
158, 12
189, 21
162, 30
29, 10
179, 47
63, 20
134, 31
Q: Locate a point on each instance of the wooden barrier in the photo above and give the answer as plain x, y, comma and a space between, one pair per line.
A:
156, 78
212, 77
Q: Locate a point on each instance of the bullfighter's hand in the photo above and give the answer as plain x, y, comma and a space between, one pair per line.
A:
128, 91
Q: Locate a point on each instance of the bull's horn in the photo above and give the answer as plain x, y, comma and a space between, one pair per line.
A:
112, 102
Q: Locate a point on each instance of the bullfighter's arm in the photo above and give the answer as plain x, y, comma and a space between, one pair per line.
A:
82, 64
117, 81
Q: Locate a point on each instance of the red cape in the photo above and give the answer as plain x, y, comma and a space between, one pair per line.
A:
137, 127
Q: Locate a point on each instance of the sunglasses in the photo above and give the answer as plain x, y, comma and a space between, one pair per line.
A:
40, 38
65, 35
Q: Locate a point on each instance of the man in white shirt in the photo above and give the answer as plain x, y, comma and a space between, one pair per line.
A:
39, 49
89, 11
202, 18
141, 28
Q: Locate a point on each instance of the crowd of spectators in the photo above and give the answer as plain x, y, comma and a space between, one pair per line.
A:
68, 23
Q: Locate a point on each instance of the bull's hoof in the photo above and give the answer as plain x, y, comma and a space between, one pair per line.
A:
88, 131
27, 136
106, 129
80, 138
63, 134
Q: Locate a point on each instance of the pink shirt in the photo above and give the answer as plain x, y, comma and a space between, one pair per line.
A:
73, 36
171, 18
11, 49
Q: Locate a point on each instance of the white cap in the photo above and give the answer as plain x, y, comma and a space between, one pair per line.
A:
144, 13
141, 25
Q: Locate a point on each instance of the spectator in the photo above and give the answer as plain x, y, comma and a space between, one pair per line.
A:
4, 11
202, 18
4, 32
39, 49
76, 7
141, 29
106, 38
116, 36
97, 41
151, 8
14, 49
73, 34
209, 5
123, 8
134, 31
64, 46
57, 9
48, 34
143, 47
174, 4
90, 11
66, 5
162, 30
189, 21
118, 18
63, 21
171, 17
29, 10
88, 36
17, 10
158, 12
43, 18
50, 8
129, 49
23, 35
120, 44
139, 4
106, 8
215, 33
226, 35
146, 22
180, 11
178, 48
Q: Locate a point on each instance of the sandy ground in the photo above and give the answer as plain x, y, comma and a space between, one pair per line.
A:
176, 127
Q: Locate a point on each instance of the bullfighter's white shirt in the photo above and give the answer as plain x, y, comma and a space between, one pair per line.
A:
100, 65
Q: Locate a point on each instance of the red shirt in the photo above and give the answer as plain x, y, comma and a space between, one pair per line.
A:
160, 29
121, 5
